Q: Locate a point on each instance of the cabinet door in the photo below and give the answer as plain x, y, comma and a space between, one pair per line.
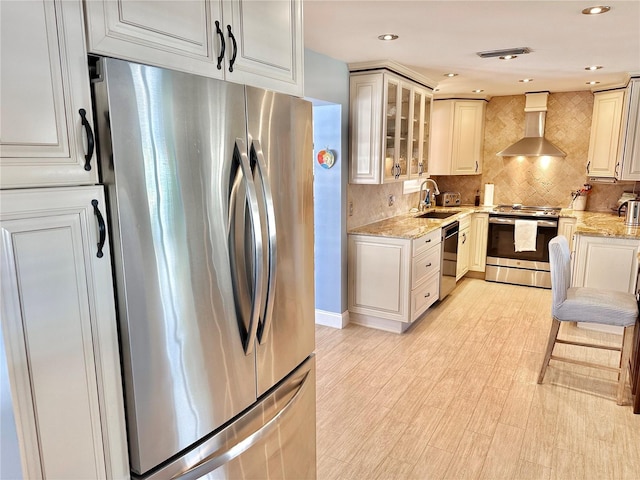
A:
379, 277
602, 160
478, 248
424, 134
171, 34
264, 44
419, 133
365, 128
606, 263
44, 82
631, 145
566, 228
393, 112
58, 321
468, 131
464, 250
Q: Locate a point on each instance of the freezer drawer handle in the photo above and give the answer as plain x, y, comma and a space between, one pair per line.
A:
90, 139
222, 45
235, 48
257, 158
240, 158
102, 231
218, 458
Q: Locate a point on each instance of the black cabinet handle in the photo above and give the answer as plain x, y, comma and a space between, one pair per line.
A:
101, 228
588, 165
224, 46
235, 48
427, 295
427, 240
90, 139
476, 166
428, 264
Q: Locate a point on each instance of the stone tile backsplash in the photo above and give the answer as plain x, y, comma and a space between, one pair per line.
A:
529, 180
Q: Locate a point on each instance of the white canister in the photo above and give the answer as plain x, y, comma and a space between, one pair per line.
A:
580, 202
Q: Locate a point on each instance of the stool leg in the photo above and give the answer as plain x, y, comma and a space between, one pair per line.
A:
553, 334
627, 342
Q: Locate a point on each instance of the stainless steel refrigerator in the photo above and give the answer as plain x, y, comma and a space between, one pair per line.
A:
211, 204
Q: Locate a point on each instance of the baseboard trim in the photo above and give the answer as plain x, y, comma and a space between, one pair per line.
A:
332, 319
378, 323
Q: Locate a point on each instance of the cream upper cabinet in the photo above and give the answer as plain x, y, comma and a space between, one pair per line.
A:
630, 144
388, 116
249, 42
457, 137
46, 120
59, 328
603, 160
478, 249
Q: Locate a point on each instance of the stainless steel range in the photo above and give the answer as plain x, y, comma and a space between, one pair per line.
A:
528, 266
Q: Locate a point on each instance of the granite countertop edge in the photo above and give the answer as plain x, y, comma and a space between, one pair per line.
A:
407, 226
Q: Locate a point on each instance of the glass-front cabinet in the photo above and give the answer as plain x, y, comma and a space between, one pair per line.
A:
389, 128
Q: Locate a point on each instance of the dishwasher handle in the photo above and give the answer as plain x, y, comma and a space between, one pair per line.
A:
450, 230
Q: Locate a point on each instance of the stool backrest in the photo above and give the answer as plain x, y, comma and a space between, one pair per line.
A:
560, 262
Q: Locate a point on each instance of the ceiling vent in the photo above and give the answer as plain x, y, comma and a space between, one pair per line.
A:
504, 53
533, 144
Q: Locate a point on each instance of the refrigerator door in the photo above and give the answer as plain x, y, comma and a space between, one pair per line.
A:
280, 143
275, 439
181, 196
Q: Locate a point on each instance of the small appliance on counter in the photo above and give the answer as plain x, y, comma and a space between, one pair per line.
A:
632, 215
448, 199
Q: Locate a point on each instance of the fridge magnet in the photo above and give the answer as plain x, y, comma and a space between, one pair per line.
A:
326, 158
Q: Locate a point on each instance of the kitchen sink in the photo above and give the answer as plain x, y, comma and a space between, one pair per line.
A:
438, 215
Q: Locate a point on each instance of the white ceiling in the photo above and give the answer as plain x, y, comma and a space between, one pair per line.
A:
437, 37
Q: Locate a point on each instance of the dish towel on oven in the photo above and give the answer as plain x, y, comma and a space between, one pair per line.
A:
525, 234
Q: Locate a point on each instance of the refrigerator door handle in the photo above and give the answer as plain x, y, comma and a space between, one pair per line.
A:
257, 156
225, 455
240, 157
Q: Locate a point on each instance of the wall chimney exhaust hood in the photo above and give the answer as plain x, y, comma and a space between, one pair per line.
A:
533, 144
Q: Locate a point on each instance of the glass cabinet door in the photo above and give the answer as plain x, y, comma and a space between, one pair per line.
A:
425, 129
415, 166
392, 114
404, 132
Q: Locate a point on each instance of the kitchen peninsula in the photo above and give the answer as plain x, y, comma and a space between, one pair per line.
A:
390, 287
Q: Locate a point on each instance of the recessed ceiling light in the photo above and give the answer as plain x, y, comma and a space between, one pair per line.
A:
592, 82
593, 67
388, 36
450, 74
598, 9
526, 80
508, 57
478, 91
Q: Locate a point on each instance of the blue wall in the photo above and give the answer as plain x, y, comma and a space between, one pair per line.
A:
326, 84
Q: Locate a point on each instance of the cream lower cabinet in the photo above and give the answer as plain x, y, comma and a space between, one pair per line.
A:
44, 85
457, 137
566, 228
392, 281
257, 43
59, 329
478, 249
605, 263
464, 247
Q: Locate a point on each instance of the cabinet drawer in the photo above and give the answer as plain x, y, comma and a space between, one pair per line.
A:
424, 265
425, 242
424, 296
464, 222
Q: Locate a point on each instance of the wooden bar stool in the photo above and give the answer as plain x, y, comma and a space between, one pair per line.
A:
585, 304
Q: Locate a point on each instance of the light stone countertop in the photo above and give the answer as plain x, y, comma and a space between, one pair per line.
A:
408, 226
600, 224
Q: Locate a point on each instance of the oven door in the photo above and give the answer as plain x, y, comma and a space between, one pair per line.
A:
501, 240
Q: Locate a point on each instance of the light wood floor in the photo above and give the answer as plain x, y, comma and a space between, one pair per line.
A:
456, 397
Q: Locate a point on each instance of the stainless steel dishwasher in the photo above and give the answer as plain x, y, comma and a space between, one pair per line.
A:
448, 259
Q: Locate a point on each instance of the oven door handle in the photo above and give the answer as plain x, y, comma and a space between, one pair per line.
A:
512, 221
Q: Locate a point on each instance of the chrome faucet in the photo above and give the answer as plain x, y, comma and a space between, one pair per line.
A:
426, 202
